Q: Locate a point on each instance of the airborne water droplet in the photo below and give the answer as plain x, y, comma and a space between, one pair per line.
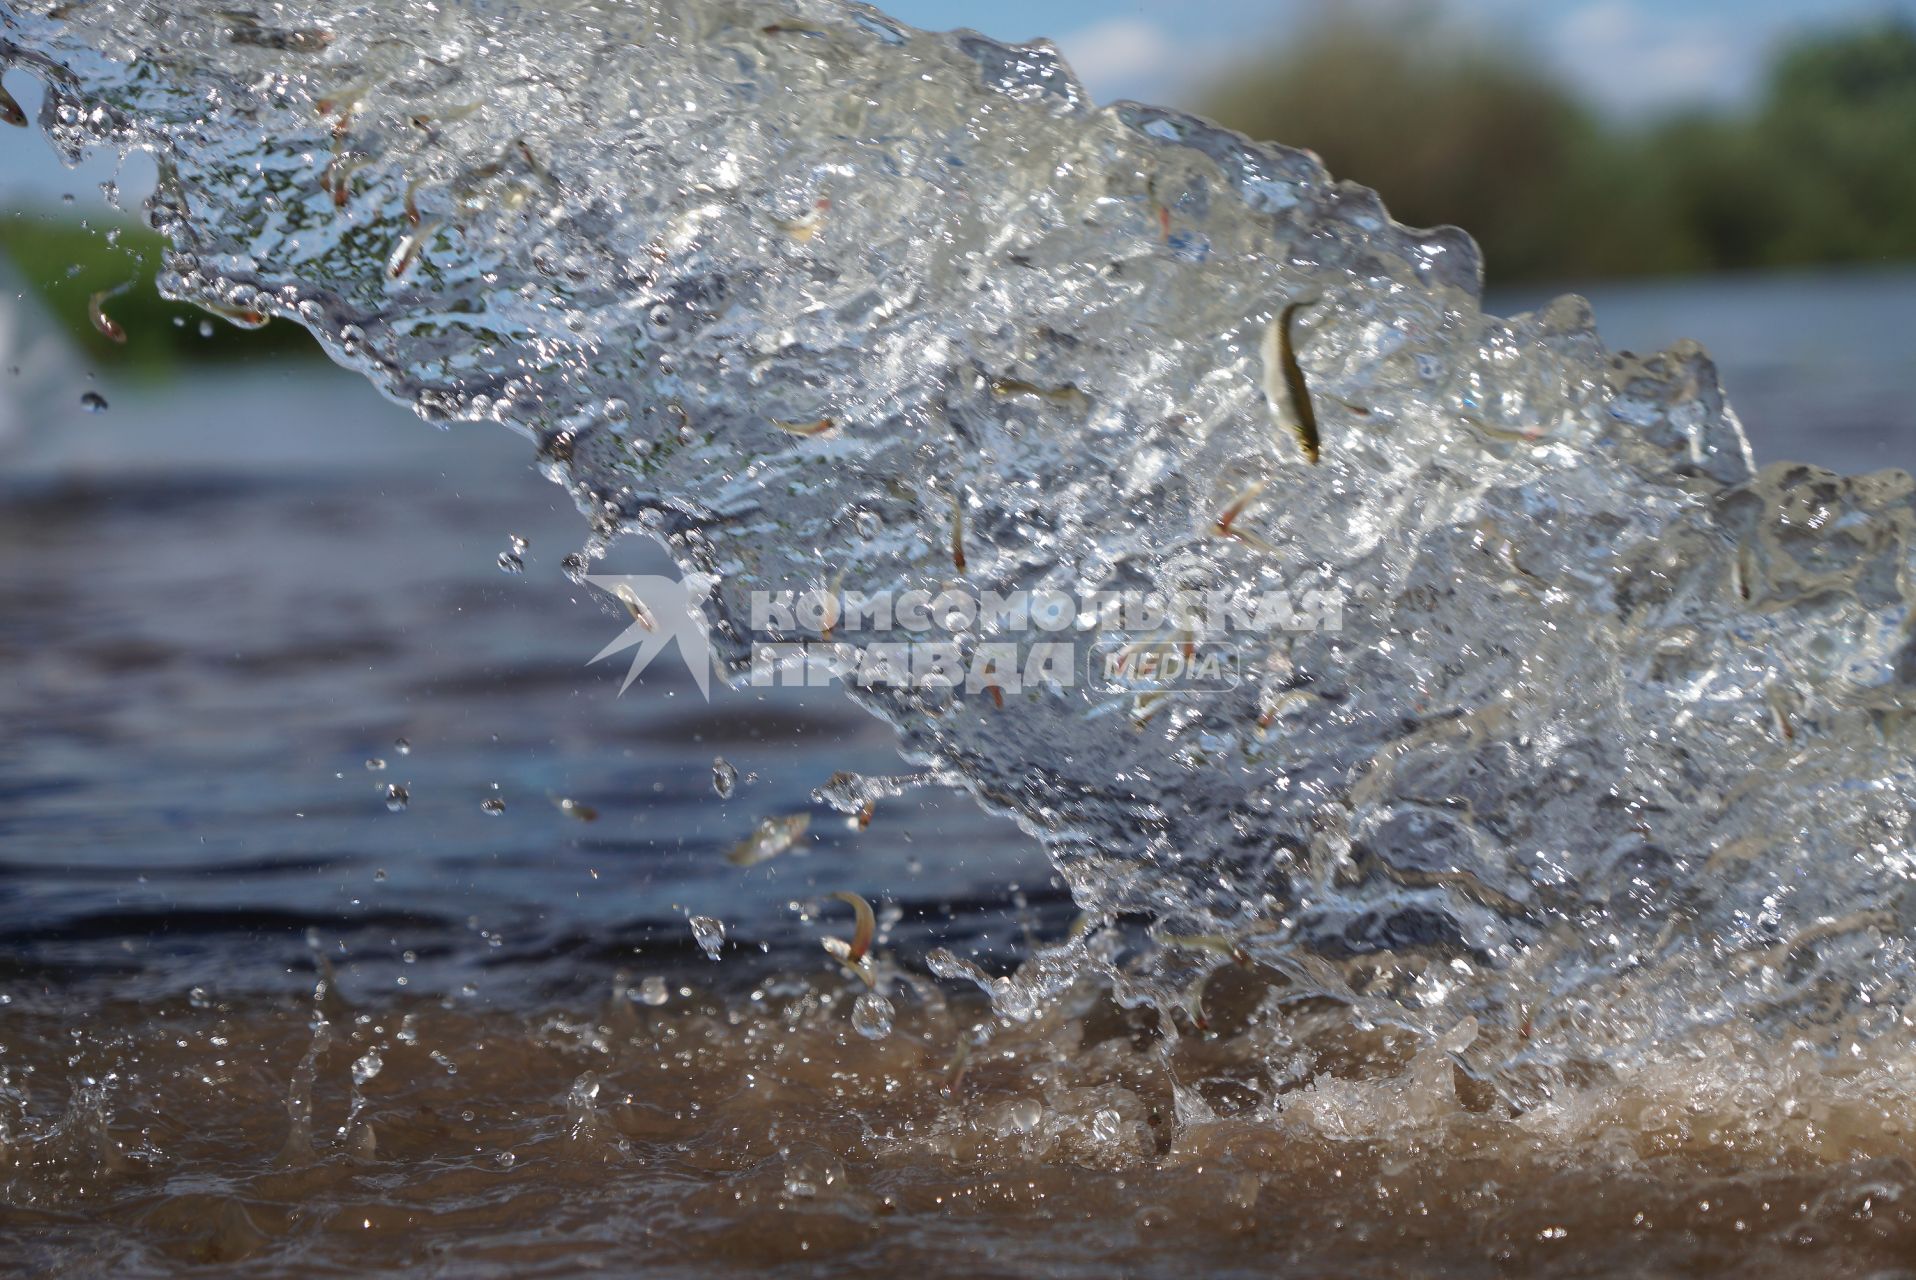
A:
375, 765
492, 806
872, 1016
402, 746
724, 777
654, 992
397, 797
709, 934
369, 1065
93, 402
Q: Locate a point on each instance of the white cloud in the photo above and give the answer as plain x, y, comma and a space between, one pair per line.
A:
1632, 57
1120, 57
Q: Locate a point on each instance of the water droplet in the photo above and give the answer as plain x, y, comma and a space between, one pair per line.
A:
379, 876
93, 402
197, 997
397, 797
709, 934
654, 992
206, 328
1020, 1115
724, 777
511, 562
369, 1065
872, 1016
402, 746
492, 805
375, 765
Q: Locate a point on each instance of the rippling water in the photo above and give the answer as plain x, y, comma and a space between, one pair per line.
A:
255, 1015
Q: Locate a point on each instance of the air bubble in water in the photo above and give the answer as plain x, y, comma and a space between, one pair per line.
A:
724, 777
93, 402
872, 1016
654, 992
709, 934
397, 797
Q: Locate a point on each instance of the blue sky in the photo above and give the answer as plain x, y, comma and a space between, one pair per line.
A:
1628, 55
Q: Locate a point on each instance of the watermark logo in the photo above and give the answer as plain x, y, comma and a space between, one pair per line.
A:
1188, 636
663, 612
1119, 666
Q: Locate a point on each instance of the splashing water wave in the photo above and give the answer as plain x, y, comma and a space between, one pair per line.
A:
1612, 744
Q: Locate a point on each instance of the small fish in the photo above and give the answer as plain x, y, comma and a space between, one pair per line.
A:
1148, 705
412, 201
573, 809
342, 104
532, 161
247, 31
790, 29
1779, 708
410, 248
834, 591
856, 954
958, 533
866, 814
955, 1070
771, 838
803, 229
95, 309
1284, 378
1528, 1026
1226, 524
338, 178
10, 110
451, 115
818, 427
1068, 394
1280, 705
238, 317
1163, 212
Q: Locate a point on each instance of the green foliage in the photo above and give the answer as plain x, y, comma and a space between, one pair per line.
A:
65, 262
1821, 170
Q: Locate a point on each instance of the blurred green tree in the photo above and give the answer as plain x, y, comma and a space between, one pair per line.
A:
1453, 130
